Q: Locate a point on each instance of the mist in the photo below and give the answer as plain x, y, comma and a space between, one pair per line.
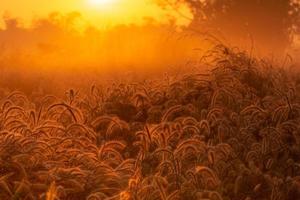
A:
64, 51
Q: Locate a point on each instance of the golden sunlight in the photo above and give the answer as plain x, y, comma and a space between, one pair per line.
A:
149, 99
99, 2
100, 13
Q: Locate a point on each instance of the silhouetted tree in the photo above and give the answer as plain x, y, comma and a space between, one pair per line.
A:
271, 23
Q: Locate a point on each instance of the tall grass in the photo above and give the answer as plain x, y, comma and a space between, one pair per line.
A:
231, 134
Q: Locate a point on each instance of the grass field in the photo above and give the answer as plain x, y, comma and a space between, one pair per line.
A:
232, 133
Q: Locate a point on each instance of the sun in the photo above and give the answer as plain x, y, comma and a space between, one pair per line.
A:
99, 2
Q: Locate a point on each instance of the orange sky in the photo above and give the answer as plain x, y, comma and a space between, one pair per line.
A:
110, 13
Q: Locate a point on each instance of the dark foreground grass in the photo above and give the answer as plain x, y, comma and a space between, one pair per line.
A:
231, 134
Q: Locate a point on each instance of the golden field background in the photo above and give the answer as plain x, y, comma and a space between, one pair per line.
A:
174, 100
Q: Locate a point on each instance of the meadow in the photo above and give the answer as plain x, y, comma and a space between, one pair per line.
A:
231, 133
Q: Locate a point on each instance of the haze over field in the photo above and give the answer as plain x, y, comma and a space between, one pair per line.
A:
94, 38
37, 27
150, 100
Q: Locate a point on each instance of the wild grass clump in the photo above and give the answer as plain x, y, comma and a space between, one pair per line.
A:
230, 134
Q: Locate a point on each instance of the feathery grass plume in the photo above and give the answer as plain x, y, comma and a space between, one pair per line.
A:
211, 173
52, 192
230, 134
170, 112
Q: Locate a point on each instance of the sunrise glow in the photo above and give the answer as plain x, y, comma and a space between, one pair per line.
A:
99, 2
99, 13
149, 99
